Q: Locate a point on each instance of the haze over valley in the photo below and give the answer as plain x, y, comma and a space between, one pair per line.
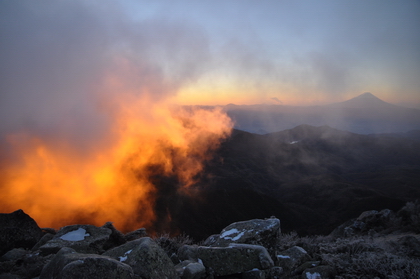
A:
363, 114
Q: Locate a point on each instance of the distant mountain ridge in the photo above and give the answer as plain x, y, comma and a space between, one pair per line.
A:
364, 114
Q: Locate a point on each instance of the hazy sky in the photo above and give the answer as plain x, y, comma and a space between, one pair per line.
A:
54, 54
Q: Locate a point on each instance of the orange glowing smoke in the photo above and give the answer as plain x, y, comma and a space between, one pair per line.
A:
59, 185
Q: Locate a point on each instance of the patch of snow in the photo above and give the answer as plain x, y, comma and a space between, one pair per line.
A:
238, 236
301, 249
229, 232
283, 257
76, 235
255, 269
124, 258
200, 261
314, 275
294, 142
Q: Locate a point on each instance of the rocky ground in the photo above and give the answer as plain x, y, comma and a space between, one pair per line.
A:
382, 244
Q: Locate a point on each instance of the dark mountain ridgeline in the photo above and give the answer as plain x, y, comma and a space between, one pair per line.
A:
311, 178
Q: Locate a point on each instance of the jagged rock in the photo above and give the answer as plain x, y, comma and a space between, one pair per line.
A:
256, 232
292, 258
47, 237
82, 238
368, 222
319, 272
139, 233
18, 230
68, 264
410, 216
115, 239
235, 258
146, 258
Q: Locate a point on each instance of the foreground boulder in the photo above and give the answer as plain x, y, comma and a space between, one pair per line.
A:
146, 258
18, 230
233, 259
257, 232
68, 264
82, 238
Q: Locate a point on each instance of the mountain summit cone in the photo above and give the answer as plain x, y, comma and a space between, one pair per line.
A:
365, 100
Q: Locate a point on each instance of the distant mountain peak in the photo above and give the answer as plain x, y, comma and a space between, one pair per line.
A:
367, 96
365, 100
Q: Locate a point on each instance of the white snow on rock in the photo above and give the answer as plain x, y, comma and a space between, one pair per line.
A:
314, 275
293, 142
238, 236
229, 232
76, 235
283, 257
124, 258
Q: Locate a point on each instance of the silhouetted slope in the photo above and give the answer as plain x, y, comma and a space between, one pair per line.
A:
312, 178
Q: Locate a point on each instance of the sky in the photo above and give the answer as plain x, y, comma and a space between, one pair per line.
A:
54, 54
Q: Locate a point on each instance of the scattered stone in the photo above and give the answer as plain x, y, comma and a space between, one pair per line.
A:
276, 272
68, 264
82, 238
305, 266
146, 258
194, 271
236, 258
319, 272
18, 230
292, 258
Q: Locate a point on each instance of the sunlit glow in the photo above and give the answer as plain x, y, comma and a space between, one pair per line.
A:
57, 185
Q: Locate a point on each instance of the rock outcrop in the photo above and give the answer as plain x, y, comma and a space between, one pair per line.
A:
251, 249
18, 230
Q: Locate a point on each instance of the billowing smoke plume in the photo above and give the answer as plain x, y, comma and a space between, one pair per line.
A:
87, 117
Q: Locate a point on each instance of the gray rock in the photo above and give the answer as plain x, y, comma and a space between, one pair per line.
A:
256, 232
146, 258
82, 238
292, 258
68, 264
319, 272
193, 270
14, 255
115, 239
235, 258
18, 230
135, 234
368, 222
276, 272
47, 237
